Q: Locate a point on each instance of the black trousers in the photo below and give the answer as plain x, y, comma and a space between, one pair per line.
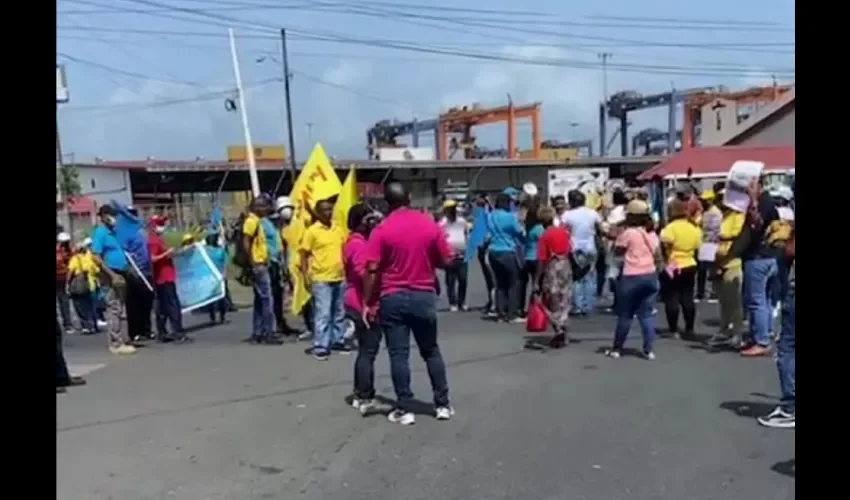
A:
506, 269
486, 270
62, 375
168, 309
456, 282
276, 274
368, 344
526, 277
703, 268
139, 307
678, 293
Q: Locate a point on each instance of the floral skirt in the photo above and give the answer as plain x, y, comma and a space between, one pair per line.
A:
557, 288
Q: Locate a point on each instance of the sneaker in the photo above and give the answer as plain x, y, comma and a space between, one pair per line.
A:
712, 301
123, 349
445, 412
778, 419
364, 406
518, 320
101, 324
341, 348
320, 355
453, 309
305, 335
649, 356
401, 417
755, 351
614, 354
464, 308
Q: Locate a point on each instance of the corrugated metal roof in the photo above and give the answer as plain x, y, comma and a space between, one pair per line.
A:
718, 160
213, 166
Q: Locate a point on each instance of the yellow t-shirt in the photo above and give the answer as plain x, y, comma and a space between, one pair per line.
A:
259, 248
324, 246
730, 227
685, 239
84, 263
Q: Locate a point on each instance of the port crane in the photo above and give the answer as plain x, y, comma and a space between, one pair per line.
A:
463, 119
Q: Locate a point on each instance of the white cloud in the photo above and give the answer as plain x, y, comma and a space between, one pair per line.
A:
340, 118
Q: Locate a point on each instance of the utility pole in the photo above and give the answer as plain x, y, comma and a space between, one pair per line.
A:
603, 108
286, 77
249, 145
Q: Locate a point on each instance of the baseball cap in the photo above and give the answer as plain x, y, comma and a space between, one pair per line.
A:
637, 207
63, 237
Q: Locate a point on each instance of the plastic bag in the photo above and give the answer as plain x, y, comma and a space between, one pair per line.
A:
537, 320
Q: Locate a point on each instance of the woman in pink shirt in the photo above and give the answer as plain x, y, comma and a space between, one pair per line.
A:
637, 287
361, 221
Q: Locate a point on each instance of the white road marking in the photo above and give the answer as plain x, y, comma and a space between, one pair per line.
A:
83, 370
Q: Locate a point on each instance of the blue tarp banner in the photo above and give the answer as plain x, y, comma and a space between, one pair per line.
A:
477, 234
199, 282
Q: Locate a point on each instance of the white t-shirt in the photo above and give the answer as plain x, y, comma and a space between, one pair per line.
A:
582, 224
455, 233
786, 213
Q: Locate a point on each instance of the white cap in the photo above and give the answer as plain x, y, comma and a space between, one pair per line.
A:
782, 192
529, 188
283, 202
63, 237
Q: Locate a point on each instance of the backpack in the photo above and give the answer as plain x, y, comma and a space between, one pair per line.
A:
241, 257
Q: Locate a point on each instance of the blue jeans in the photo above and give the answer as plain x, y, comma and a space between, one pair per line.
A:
786, 355
263, 315
584, 292
636, 296
328, 315
400, 314
168, 310
757, 275
85, 308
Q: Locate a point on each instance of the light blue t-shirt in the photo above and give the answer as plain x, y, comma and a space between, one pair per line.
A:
581, 222
272, 242
531, 241
106, 246
504, 230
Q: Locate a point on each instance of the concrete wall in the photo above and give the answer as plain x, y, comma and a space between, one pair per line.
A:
779, 131
103, 184
716, 122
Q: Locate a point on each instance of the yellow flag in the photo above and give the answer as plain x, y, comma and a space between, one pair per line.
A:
348, 197
317, 181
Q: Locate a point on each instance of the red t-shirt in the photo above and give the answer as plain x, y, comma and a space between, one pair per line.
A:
407, 246
553, 241
163, 269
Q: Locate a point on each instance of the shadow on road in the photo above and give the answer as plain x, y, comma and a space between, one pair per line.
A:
787, 468
748, 409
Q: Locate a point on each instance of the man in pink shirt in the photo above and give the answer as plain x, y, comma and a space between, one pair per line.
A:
401, 255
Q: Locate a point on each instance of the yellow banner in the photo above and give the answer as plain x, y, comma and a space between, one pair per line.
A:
348, 197
239, 154
317, 181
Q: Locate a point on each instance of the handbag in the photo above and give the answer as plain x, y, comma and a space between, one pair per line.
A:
537, 320
79, 285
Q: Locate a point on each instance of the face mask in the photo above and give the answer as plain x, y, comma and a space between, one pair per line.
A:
110, 219
160, 229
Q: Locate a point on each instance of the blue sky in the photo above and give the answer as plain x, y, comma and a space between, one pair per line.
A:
149, 79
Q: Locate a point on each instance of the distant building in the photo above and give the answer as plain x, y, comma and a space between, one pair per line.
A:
101, 183
771, 125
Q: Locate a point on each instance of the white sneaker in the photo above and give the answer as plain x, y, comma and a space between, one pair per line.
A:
445, 412
611, 353
779, 419
364, 406
453, 309
124, 349
306, 335
401, 417
101, 324
649, 356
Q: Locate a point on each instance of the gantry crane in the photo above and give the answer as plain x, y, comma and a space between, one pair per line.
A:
385, 133
462, 120
696, 101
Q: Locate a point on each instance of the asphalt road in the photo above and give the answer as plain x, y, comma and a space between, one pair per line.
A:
220, 419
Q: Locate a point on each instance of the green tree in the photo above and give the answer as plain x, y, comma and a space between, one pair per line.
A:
68, 186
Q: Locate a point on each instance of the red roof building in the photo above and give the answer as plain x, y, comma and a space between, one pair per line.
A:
716, 161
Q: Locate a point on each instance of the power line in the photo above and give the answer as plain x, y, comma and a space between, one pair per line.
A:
130, 74
379, 57
547, 62
532, 19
